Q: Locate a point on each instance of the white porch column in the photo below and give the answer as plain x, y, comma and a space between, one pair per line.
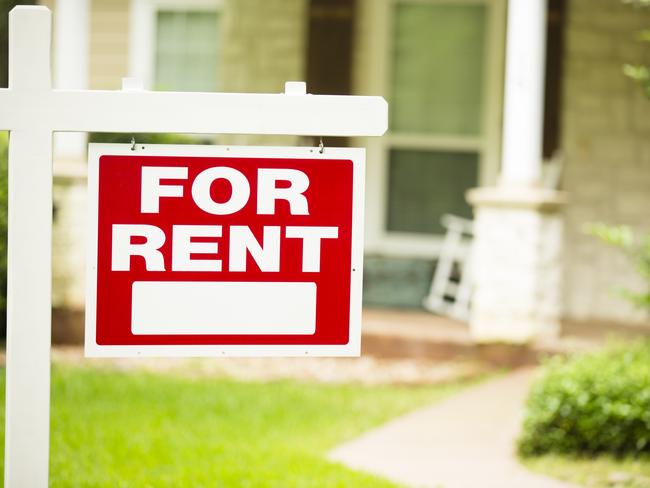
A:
71, 29
523, 111
71, 46
518, 227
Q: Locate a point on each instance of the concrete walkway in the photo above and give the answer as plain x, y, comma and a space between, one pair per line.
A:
466, 441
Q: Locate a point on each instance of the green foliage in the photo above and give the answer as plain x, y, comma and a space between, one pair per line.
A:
146, 138
637, 248
591, 404
638, 3
639, 72
117, 429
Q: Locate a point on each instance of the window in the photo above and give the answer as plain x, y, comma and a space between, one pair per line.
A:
437, 70
441, 71
186, 51
175, 45
436, 90
424, 185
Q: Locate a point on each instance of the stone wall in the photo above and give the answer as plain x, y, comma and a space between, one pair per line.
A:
69, 258
606, 144
69, 242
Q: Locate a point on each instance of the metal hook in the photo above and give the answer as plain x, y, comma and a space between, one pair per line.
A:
132, 143
321, 146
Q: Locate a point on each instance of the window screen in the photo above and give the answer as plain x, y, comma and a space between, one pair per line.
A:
437, 74
425, 185
187, 51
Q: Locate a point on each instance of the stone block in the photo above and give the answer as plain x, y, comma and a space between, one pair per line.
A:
517, 266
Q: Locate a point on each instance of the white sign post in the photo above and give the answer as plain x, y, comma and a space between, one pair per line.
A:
31, 110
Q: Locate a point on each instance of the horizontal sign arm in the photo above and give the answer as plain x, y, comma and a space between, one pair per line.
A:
193, 112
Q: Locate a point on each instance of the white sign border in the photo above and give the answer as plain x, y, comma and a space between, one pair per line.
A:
351, 349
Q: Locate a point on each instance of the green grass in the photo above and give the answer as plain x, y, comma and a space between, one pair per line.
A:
597, 472
118, 429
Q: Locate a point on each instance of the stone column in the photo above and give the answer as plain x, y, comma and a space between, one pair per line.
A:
517, 264
518, 226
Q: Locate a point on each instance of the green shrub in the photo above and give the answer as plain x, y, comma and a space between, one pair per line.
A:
594, 403
636, 248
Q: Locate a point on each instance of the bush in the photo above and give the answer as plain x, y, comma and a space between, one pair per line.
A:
590, 404
636, 248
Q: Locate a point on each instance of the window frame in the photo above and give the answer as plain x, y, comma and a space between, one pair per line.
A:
142, 32
379, 46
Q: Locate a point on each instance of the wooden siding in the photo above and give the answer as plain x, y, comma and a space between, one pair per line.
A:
109, 43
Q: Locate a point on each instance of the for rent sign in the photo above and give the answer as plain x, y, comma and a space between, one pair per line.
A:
32, 111
204, 250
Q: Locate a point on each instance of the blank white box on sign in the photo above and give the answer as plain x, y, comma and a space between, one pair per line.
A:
222, 307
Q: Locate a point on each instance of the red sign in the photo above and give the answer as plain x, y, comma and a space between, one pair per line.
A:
204, 250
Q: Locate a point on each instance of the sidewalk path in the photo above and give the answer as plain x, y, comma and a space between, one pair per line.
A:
466, 441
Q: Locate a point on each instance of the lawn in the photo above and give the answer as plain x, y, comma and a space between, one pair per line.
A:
115, 429
598, 472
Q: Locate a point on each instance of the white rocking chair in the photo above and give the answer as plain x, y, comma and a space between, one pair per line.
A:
451, 287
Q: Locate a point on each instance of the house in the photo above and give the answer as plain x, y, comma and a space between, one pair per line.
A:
488, 98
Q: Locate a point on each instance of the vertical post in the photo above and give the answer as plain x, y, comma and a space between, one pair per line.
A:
29, 260
524, 92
